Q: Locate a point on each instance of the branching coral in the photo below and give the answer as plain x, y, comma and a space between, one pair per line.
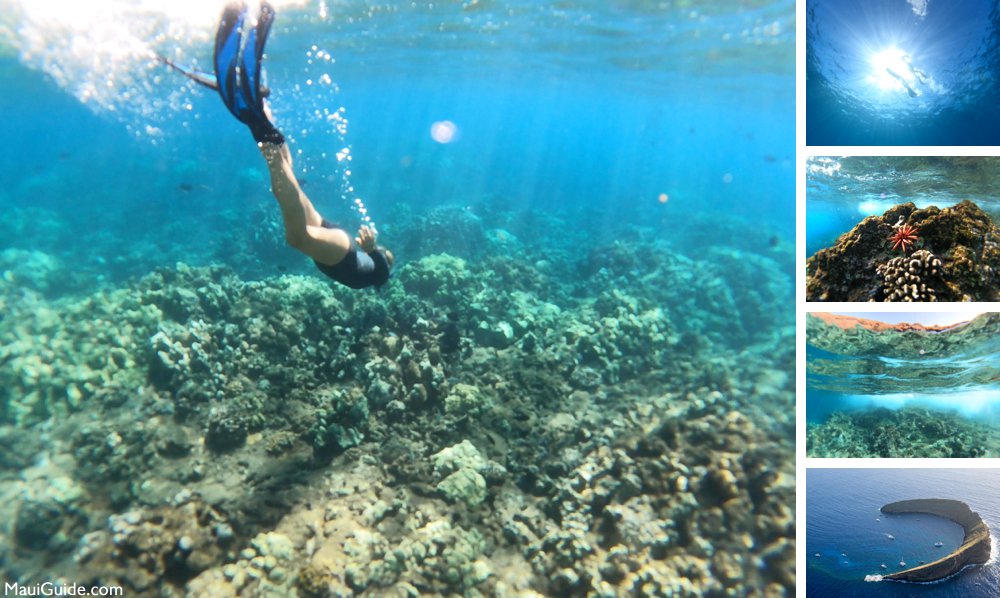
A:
911, 278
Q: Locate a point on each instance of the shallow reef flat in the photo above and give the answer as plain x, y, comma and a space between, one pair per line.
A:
616, 421
910, 254
903, 433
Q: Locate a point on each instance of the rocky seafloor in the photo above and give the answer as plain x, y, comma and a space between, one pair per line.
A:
502, 419
956, 257
910, 432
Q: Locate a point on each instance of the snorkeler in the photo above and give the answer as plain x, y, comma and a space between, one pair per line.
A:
909, 89
239, 49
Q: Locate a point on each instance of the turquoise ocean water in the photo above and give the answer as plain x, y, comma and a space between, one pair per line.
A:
592, 106
592, 209
903, 394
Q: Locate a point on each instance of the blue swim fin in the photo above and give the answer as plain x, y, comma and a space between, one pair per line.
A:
250, 62
227, 48
239, 51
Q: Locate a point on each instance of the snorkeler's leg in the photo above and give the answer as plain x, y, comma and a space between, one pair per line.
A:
303, 224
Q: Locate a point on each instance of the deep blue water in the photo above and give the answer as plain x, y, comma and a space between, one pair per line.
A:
843, 518
902, 72
840, 192
555, 107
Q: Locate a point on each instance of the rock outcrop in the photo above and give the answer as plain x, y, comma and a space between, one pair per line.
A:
863, 266
975, 547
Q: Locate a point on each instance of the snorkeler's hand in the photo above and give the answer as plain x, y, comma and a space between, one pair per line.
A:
366, 239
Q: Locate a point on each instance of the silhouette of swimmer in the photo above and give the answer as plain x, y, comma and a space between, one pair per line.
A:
913, 93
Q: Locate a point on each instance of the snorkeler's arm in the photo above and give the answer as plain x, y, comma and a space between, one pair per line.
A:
366, 239
372, 262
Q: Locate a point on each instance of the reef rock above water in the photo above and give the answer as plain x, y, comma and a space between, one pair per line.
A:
975, 547
852, 336
957, 258
850, 322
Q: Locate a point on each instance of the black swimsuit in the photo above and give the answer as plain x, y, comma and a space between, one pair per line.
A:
358, 269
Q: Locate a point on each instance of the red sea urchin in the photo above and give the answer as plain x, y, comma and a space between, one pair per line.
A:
904, 237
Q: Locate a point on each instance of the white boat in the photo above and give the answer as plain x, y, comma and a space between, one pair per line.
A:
938, 544
890, 536
884, 566
902, 563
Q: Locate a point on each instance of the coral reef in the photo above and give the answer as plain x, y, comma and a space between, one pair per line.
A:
902, 433
861, 266
606, 422
911, 278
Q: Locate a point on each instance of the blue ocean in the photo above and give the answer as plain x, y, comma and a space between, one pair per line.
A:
591, 209
901, 72
848, 538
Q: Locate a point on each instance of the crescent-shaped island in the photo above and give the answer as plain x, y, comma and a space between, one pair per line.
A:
975, 547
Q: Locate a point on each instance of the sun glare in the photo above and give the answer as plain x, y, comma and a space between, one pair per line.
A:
67, 12
891, 69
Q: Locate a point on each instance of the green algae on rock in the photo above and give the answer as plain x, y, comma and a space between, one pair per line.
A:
961, 260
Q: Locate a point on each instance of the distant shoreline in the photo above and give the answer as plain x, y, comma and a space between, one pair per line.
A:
975, 547
849, 322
